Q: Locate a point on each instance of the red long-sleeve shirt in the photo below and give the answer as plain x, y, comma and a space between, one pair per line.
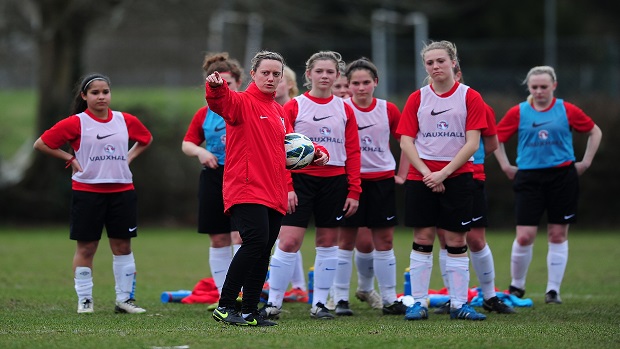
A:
255, 169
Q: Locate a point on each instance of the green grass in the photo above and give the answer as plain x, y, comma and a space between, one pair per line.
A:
38, 303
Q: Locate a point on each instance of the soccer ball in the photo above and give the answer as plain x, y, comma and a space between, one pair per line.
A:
299, 151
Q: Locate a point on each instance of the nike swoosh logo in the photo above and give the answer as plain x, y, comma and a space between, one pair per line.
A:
132, 274
487, 273
218, 271
390, 218
465, 223
569, 216
218, 129
222, 315
319, 119
534, 124
476, 219
330, 268
338, 218
102, 137
133, 229
359, 128
263, 117
252, 323
433, 112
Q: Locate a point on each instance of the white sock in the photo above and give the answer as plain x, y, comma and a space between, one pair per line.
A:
520, 260
299, 276
281, 270
443, 254
458, 276
342, 279
83, 282
420, 268
236, 248
219, 261
365, 271
124, 268
557, 257
485, 270
325, 264
385, 270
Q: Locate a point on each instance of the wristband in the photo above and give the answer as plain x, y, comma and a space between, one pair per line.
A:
68, 163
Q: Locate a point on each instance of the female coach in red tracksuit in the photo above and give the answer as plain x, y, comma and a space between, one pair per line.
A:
255, 180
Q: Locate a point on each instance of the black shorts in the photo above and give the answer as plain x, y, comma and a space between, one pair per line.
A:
553, 189
451, 210
323, 196
377, 206
479, 208
211, 216
90, 212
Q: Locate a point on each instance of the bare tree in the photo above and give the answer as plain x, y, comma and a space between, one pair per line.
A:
59, 28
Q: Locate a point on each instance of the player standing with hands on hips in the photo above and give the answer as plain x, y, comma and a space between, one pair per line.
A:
255, 181
546, 176
440, 127
103, 193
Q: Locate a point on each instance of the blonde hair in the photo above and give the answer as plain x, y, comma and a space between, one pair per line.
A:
449, 47
539, 70
289, 74
323, 56
445, 45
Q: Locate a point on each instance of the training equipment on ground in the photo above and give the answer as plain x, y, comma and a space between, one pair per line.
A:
299, 151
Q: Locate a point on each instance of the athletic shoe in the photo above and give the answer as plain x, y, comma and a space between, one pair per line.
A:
515, 291
416, 312
372, 297
85, 306
342, 308
466, 312
396, 308
270, 311
443, 309
256, 319
552, 297
229, 315
128, 307
494, 304
296, 295
212, 306
319, 311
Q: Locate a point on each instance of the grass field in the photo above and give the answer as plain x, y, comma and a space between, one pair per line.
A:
38, 303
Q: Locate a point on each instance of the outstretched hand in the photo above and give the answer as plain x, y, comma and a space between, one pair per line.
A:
215, 80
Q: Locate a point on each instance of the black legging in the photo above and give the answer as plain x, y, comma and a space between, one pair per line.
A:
259, 227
